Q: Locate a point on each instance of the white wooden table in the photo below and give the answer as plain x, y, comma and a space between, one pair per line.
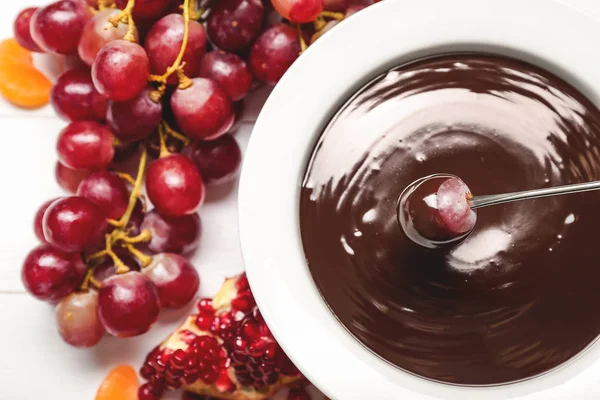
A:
36, 364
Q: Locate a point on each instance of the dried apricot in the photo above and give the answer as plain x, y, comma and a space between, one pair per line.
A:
120, 384
11, 52
20, 82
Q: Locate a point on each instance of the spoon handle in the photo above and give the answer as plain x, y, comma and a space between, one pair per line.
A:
490, 200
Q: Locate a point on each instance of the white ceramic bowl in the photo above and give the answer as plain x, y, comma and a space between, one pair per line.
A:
544, 32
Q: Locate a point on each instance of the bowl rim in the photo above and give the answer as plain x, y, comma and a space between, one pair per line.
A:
291, 122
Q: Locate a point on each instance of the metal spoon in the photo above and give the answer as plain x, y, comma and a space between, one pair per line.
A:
490, 200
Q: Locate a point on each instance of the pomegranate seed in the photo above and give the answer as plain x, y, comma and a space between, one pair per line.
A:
242, 283
191, 378
258, 316
240, 344
270, 353
147, 392
204, 321
244, 302
204, 342
179, 358
205, 305
157, 382
257, 349
250, 330
146, 372
223, 383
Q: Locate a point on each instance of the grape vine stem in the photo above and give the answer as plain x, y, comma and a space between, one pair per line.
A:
172, 132
119, 234
135, 192
332, 15
178, 64
126, 17
90, 280
303, 45
162, 136
104, 4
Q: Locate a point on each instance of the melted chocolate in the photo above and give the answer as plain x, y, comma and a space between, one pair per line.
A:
517, 297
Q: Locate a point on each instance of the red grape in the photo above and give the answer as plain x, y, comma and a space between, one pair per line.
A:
97, 33
128, 304
164, 41
273, 53
75, 98
234, 24
336, 5
85, 145
176, 280
107, 191
134, 119
121, 70
107, 267
353, 9
146, 8
453, 206
57, 27
203, 111
173, 145
217, 160
174, 185
50, 274
229, 71
68, 178
172, 234
21, 29
77, 319
443, 221
73, 224
94, 3
38, 226
299, 11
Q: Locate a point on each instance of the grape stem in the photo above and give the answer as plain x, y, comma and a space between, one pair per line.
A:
143, 258
135, 192
126, 17
332, 15
303, 45
126, 177
119, 264
129, 179
119, 235
104, 4
178, 64
164, 150
89, 279
172, 132
319, 23
144, 236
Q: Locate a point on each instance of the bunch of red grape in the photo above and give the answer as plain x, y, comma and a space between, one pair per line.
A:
159, 80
